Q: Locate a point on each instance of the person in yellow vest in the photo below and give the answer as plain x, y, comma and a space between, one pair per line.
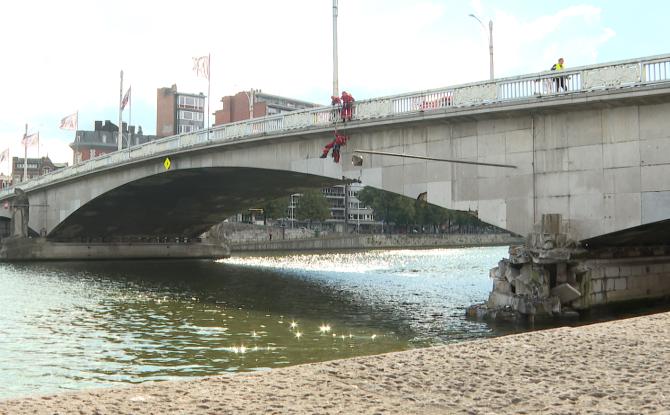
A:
560, 80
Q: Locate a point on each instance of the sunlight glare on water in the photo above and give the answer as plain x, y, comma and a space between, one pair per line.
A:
74, 325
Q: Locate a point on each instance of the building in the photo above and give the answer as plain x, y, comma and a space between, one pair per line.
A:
104, 139
36, 167
178, 112
242, 105
5, 181
345, 209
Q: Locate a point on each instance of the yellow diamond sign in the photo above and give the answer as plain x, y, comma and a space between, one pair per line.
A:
167, 163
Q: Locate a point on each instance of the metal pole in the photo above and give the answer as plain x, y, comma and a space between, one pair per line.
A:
491, 46
25, 155
120, 139
346, 208
250, 95
130, 115
209, 85
490, 41
77, 139
335, 80
476, 163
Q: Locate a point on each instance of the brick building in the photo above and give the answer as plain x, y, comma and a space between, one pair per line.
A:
104, 139
178, 112
240, 106
36, 167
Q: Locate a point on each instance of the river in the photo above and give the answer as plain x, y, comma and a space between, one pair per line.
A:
74, 325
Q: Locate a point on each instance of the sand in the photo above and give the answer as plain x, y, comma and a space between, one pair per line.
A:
617, 367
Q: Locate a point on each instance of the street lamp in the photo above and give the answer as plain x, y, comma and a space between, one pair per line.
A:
335, 80
490, 40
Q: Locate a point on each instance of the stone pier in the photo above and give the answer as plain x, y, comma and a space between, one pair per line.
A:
554, 276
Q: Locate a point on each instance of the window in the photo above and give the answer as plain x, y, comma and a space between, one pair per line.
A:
190, 115
185, 129
93, 153
191, 102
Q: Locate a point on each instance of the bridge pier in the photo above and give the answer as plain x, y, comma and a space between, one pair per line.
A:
40, 249
552, 276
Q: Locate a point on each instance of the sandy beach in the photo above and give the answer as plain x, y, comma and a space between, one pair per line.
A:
618, 367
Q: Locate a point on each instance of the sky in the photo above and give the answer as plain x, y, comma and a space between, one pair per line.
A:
60, 57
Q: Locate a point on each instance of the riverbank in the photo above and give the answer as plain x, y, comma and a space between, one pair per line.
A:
376, 241
614, 367
242, 237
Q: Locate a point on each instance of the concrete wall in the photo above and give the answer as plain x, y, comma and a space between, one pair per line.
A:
378, 241
603, 169
614, 280
39, 249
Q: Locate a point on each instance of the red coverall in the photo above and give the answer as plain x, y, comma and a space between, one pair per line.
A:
340, 140
347, 99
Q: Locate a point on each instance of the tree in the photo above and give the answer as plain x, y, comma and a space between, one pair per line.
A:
313, 206
404, 211
275, 208
390, 207
379, 200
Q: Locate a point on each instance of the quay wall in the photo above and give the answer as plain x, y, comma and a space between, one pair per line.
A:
376, 241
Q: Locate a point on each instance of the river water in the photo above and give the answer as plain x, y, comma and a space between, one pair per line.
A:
73, 325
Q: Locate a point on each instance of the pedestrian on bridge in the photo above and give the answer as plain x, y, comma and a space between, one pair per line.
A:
560, 80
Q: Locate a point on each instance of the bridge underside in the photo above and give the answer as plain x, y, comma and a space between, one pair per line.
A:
650, 234
180, 203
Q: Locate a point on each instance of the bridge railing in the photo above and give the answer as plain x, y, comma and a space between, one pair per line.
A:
635, 72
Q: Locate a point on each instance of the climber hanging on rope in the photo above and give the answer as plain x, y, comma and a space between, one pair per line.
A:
339, 141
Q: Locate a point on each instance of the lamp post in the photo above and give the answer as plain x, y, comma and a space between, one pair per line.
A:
335, 80
490, 41
358, 216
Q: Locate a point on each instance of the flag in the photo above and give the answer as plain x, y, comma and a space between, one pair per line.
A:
4, 156
125, 99
201, 66
31, 140
70, 122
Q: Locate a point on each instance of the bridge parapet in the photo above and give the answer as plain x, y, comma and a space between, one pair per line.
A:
628, 73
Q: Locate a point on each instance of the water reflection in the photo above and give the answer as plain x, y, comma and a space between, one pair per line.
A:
76, 325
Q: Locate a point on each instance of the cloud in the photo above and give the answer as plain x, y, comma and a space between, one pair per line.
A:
574, 33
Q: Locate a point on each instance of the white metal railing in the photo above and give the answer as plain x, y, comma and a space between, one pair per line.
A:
634, 72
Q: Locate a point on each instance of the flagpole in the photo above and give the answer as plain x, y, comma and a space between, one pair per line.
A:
76, 140
25, 155
120, 140
209, 83
130, 113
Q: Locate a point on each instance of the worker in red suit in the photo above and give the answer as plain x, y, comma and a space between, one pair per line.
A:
339, 141
337, 103
347, 100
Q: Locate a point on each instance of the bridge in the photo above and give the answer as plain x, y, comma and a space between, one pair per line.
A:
596, 154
